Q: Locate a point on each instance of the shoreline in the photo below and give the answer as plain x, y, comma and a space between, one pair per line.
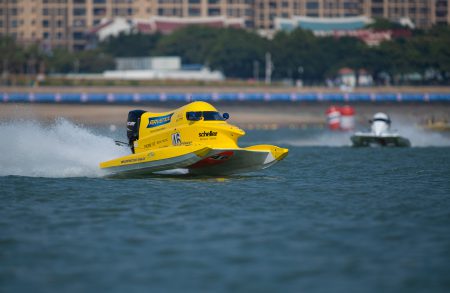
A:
223, 88
248, 114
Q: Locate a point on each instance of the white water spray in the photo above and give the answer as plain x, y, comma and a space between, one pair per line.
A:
61, 149
420, 137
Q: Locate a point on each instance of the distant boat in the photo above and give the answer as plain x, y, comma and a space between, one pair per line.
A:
380, 134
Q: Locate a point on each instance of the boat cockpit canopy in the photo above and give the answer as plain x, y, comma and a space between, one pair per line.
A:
205, 115
388, 121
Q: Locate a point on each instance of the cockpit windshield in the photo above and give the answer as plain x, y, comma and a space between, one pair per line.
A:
388, 121
206, 115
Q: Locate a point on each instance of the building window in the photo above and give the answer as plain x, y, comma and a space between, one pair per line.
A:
377, 11
99, 11
312, 5
214, 11
249, 23
78, 36
45, 23
194, 11
79, 11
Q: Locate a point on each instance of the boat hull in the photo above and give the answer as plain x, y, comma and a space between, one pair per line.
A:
367, 140
240, 160
197, 160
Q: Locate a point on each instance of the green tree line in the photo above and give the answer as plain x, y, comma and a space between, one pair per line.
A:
240, 54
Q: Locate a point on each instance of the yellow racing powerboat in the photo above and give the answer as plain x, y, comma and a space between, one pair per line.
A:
195, 137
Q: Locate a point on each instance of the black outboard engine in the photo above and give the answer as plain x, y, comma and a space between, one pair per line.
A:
133, 122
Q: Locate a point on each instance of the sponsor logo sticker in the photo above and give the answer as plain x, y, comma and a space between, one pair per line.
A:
207, 133
157, 121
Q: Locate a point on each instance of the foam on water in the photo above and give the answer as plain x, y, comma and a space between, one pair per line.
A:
61, 149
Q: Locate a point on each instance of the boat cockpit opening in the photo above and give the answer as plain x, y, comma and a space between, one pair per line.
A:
387, 121
206, 115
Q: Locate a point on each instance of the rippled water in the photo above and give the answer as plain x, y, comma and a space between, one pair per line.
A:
329, 218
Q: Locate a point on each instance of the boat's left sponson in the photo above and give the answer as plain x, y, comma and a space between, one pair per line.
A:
128, 98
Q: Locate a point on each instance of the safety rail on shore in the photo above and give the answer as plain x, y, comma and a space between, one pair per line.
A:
88, 97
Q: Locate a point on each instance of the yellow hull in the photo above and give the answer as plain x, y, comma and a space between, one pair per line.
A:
199, 160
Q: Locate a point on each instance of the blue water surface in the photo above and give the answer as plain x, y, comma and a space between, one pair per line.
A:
327, 219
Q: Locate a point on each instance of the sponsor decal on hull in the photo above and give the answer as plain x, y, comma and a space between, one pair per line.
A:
213, 160
157, 121
207, 133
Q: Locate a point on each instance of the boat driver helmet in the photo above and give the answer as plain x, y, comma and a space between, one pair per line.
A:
381, 117
380, 123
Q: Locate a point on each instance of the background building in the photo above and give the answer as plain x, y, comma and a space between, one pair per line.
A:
65, 22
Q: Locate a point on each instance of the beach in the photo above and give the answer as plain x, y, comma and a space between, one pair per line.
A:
245, 114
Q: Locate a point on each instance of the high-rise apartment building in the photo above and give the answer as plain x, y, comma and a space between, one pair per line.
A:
423, 13
65, 22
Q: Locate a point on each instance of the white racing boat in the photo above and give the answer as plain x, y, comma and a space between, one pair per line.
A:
380, 134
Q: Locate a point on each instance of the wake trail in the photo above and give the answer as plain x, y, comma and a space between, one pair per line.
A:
61, 149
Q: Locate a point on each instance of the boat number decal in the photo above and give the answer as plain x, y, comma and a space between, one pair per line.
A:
176, 139
157, 121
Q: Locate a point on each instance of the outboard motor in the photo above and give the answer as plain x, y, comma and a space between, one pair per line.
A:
380, 123
133, 122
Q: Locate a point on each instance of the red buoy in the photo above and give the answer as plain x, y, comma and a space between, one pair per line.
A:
347, 117
333, 118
